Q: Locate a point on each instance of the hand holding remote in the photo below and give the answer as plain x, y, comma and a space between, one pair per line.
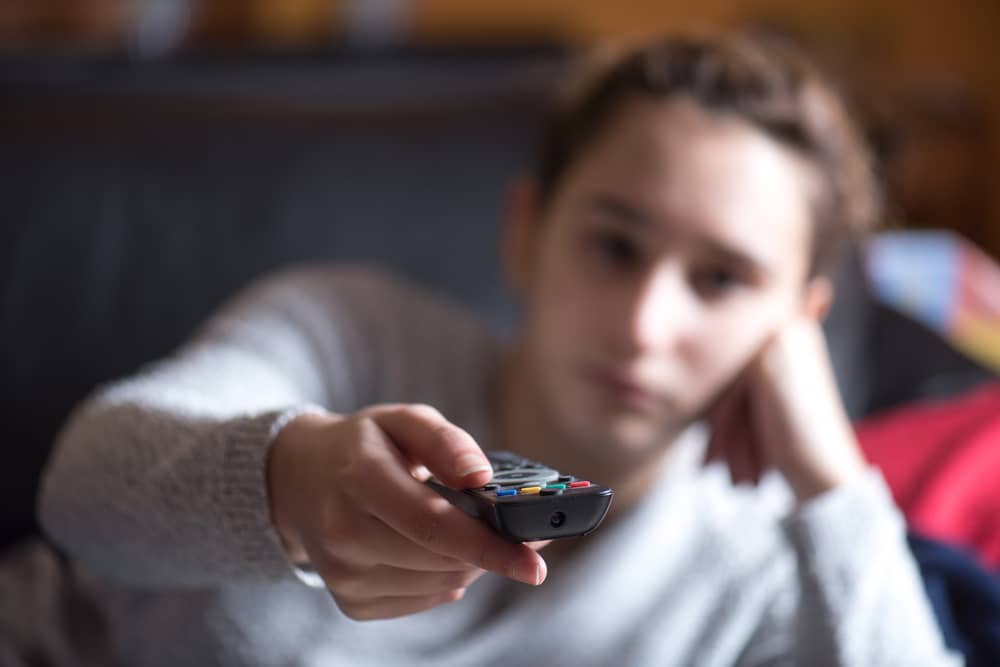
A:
527, 500
345, 499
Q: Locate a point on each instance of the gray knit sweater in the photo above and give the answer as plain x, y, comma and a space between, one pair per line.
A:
157, 488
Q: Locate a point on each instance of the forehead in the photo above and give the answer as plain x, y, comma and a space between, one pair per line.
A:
694, 173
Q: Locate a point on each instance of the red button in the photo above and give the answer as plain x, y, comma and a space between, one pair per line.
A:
578, 485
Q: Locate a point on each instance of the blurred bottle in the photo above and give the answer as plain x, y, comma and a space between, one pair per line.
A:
376, 22
160, 26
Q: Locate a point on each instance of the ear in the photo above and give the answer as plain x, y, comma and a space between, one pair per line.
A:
818, 298
520, 233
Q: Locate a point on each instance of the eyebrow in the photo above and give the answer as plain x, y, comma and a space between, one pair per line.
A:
617, 209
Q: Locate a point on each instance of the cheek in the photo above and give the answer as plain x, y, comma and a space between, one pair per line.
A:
566, 299
731, 339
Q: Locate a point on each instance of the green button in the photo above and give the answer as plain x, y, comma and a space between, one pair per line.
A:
555, 486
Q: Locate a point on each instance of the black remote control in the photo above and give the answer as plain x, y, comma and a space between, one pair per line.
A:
528, 501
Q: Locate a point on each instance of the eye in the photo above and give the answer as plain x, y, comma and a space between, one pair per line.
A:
715, 282
615, 249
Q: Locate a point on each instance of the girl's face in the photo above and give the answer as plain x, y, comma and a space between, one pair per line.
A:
674, 246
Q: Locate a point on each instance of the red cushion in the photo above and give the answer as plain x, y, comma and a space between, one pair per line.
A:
942, 462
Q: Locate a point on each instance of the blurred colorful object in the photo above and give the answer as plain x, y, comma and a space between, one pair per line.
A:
944, 281
941, 460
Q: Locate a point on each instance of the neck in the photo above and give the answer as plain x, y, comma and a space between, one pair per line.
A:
522, 424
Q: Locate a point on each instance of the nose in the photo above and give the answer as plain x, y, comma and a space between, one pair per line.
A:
659, 312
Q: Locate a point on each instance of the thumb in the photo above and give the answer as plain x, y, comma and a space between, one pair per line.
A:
425, 437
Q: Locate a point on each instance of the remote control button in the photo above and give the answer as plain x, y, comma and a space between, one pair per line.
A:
512, 476
555, 486
507, 492
530, 490
550, 491
566, 478
579, 485
491, 487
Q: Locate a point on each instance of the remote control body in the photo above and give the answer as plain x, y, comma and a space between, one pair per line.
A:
527, 500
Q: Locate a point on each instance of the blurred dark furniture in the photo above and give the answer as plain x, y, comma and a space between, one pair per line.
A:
136, 196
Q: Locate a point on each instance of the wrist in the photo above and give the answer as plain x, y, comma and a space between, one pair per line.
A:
809, 487
287, 461
842, 464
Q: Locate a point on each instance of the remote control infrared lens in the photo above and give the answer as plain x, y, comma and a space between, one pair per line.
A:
557, 519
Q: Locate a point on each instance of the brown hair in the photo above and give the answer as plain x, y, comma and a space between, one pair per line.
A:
763, 82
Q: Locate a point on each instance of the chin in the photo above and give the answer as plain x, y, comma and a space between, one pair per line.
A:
623, 438
613, 432
640, 438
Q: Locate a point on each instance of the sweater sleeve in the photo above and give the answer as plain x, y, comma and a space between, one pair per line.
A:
859, 598
159, 480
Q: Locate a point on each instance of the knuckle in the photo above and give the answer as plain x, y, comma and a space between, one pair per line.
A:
347, 585
352, 428
445, 432
367, 438
368, 451
336, 577
456, 580
451, 439
377, 409
353, 610
469, 577
425, 410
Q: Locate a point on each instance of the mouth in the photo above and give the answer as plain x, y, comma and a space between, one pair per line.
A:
625, 389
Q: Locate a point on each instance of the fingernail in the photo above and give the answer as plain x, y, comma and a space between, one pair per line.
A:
471, 463
529, 573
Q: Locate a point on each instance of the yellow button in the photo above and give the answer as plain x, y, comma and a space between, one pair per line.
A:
529, 490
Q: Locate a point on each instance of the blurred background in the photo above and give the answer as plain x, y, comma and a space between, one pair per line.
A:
155, 155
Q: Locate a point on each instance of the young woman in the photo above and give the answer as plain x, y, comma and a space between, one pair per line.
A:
670, 252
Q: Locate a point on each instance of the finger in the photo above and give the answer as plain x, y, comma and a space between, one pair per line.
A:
754, 466
756, 459
395, 606
426, 437
738, 445
737, 460
757, 420
420, 473
713, 451
418, 513
723, 425
726, 442
373, 537
384, 580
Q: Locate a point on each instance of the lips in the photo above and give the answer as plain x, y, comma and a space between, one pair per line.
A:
625, 388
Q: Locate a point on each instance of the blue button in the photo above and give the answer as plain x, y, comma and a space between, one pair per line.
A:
507, 492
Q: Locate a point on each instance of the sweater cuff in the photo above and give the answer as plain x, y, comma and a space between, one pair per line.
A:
845, 514
245, 501
837, 532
